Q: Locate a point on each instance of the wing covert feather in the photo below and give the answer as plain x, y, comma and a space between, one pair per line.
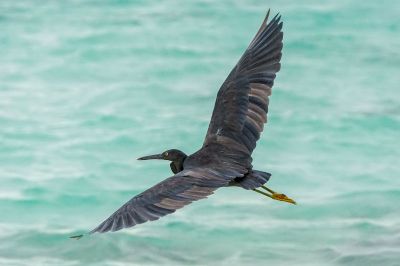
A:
164, 198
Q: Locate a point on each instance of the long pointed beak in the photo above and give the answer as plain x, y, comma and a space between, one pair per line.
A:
150, 157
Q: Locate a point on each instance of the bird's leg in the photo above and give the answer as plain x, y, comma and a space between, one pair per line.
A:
263, 193
268, 189
274, 195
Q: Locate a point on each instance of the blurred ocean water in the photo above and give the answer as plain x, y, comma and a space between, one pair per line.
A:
88, 86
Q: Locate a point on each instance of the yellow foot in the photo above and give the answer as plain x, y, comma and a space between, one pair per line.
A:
282, 197
274, 195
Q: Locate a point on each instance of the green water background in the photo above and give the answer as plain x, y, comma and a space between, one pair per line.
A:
88, 86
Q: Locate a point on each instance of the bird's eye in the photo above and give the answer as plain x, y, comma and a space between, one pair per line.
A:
165, 154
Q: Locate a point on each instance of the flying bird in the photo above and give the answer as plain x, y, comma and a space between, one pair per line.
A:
237, 121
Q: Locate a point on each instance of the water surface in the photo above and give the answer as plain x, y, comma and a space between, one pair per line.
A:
88, 86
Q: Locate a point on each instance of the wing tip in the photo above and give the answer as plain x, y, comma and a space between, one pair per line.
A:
276, 18
77, 237
267, 16
266, 26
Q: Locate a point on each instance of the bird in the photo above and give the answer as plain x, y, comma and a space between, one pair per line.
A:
224, 160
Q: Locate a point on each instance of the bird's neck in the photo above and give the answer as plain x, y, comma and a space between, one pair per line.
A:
177, 166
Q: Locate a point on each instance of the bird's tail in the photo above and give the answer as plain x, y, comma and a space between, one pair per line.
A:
253, 179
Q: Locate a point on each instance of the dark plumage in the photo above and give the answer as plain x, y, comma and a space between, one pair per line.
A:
225, 158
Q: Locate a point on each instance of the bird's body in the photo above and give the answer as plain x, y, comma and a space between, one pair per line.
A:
225, 158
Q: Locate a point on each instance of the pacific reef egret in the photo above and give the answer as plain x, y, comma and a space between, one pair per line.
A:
237, 121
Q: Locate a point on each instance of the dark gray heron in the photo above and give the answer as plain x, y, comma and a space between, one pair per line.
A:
225, 158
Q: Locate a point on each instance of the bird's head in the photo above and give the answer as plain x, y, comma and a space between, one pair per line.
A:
169, 155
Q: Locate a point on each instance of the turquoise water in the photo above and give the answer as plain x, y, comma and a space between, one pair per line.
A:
88, 86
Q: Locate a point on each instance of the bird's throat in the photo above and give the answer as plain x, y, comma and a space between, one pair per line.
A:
177, 166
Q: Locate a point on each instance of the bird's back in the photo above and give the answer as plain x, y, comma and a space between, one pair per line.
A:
224, 155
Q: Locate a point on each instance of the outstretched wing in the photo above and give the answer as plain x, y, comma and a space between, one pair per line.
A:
241, 106
164, 198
